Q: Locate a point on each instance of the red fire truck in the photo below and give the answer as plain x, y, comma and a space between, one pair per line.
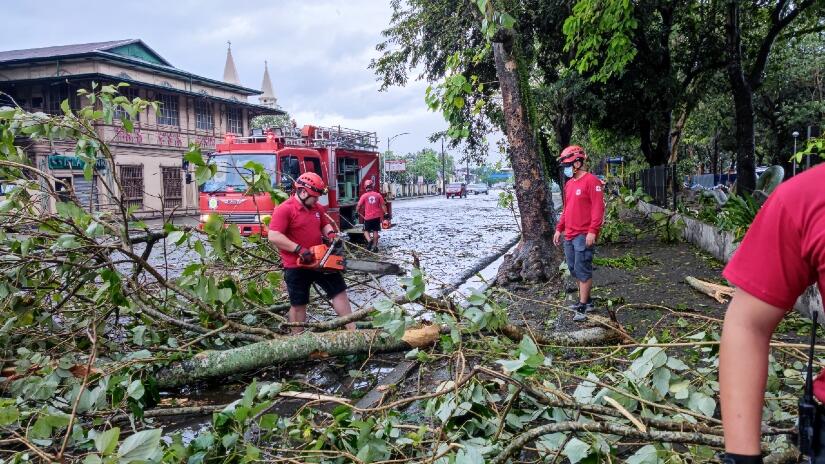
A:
344, 158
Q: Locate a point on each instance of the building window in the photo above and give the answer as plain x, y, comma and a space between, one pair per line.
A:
168, 109
57, 94
203, 115
234, 121
172, 187
131, 179
131, 94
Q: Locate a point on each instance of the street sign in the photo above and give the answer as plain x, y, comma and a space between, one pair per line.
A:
420, 180
395, 165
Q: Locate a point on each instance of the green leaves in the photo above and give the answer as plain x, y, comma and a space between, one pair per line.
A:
415, 285
576, 450
105, 442
203, 170
140, 446
8, 415
600, 31
529, 358
390, 318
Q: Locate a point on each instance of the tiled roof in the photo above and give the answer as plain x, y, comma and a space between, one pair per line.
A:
61, 50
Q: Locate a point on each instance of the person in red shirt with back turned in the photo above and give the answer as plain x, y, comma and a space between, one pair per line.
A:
297, 225
781, 255
580, 222
372, 208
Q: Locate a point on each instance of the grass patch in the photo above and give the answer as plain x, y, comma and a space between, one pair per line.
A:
627, 262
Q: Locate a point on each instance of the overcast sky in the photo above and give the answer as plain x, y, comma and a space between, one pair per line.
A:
318, 52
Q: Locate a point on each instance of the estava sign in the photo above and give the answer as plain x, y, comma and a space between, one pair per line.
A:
72, 162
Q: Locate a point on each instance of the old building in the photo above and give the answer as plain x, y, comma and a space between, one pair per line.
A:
148, 161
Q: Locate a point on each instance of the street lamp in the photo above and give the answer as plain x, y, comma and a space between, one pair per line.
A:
390, 139
795, 134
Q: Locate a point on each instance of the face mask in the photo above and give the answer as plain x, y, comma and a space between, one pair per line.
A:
568, 171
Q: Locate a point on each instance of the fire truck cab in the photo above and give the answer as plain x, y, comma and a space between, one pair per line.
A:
344, 158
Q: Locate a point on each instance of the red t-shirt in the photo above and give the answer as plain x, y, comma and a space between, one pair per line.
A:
301, 225
373, 204
583, 206
783, 252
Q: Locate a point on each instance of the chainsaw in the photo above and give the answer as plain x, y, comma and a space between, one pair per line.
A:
330, 258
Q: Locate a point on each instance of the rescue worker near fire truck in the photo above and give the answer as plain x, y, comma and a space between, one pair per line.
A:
372, 208
782, 254
579, 224
297, 225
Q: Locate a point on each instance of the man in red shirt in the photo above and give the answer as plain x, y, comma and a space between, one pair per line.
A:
580, 222
297, 225
781, 255
372, 208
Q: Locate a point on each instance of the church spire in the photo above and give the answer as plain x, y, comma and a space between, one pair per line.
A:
230, 74
268, 96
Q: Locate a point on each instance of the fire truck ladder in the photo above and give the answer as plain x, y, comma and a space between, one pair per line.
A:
345, 138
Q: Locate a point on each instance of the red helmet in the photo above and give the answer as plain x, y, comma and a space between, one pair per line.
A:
572, 154
313, 184
368, 184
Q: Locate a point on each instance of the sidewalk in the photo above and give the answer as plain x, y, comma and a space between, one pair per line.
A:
415, 197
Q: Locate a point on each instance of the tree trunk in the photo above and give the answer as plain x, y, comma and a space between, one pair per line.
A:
219, 364
714, 160
742, 101
534, 257
655, 138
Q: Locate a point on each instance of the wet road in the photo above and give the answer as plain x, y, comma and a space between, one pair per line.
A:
451, 237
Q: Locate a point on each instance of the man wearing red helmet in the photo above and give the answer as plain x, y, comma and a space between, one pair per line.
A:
372, 208
297, 225
580, 222
782, 254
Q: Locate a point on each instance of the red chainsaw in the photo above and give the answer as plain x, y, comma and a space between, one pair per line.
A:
331, 258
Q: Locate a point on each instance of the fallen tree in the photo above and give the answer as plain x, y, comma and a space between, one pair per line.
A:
213, 364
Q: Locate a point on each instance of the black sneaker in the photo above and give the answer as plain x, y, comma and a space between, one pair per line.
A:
588, 307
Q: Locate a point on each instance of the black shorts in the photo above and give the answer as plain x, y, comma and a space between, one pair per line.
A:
299, 281
372, 225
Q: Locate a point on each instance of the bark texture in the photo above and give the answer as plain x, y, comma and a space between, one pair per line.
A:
532, 260
215, 364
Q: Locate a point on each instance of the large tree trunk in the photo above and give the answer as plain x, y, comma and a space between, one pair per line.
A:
534, 257
742, 102
655, 138
744, 84
218, 364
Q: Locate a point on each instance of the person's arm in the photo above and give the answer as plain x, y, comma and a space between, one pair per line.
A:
743, 370
359, 208
596, 212
282, 242
560, 224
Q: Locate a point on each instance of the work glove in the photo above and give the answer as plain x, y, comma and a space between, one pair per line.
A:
387, 216
329, 239
730, 458
305, 256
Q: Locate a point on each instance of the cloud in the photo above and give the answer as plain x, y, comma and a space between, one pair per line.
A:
318, 52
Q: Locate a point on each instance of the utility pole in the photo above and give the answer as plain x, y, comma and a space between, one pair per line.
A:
443, 167
389, 139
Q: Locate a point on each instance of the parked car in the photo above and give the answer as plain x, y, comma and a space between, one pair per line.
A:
476, 189
456, 189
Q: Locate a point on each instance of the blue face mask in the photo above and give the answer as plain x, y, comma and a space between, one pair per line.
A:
568, 171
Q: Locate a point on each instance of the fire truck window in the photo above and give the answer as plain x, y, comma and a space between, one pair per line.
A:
313, 165
290, 171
